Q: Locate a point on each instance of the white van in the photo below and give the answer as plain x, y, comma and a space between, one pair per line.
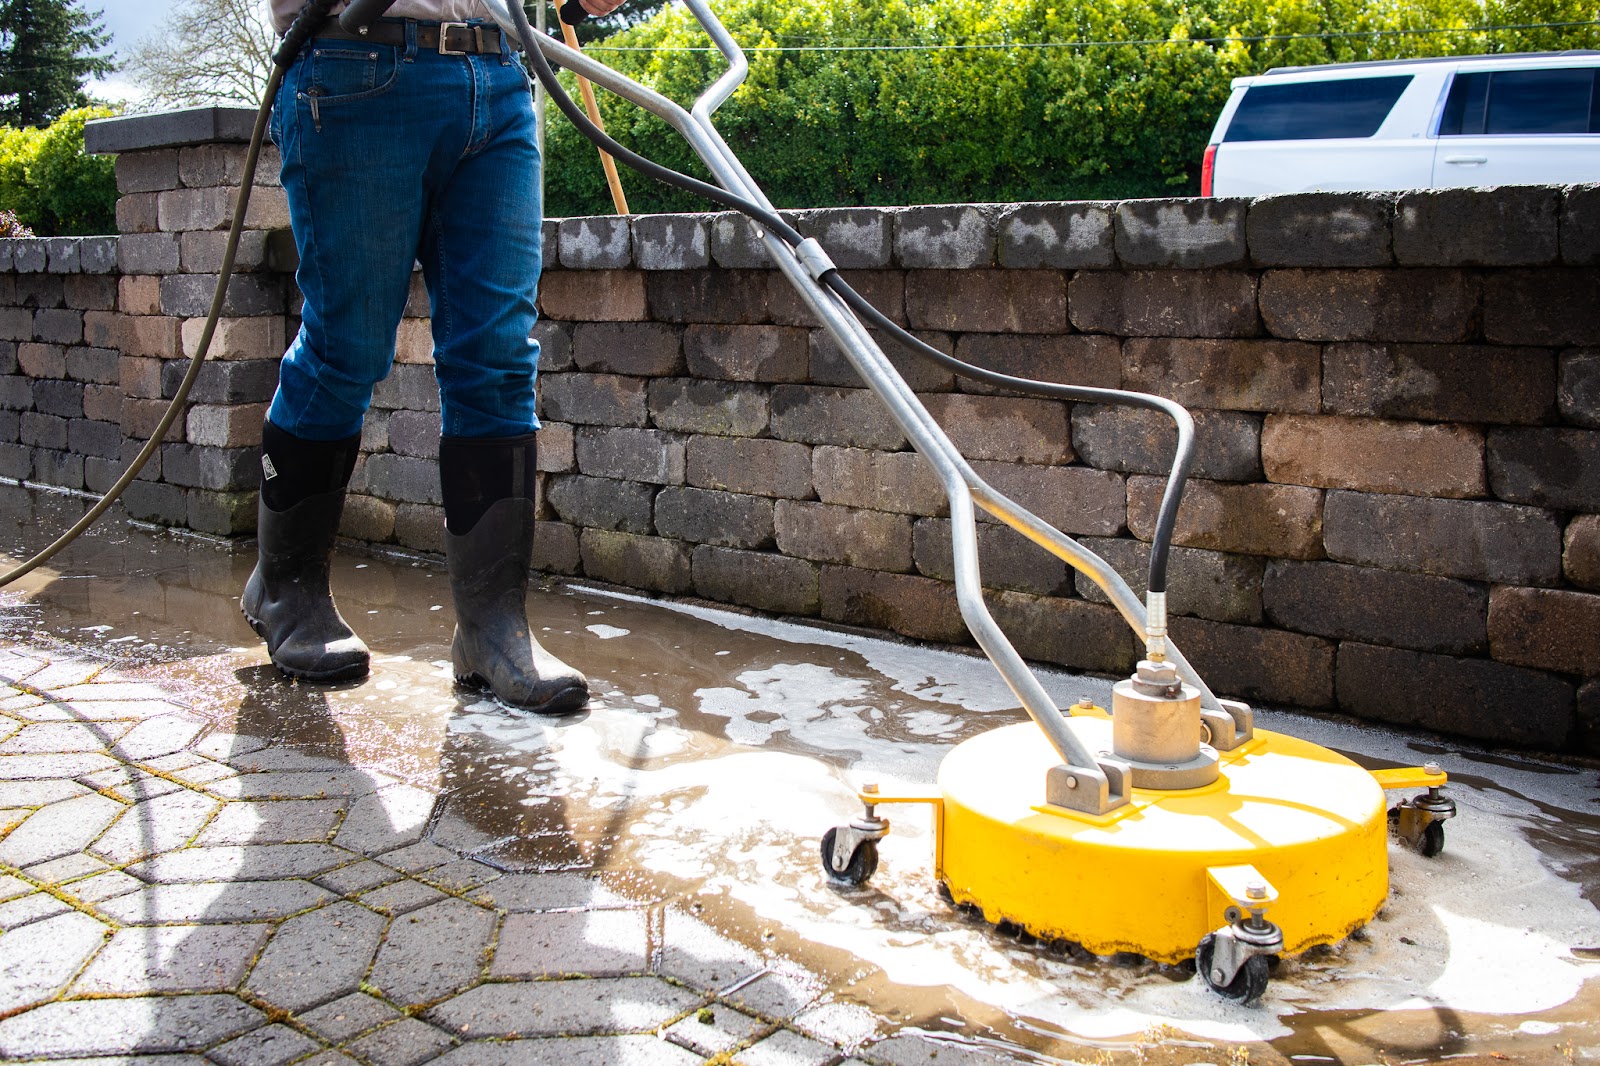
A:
1528, 119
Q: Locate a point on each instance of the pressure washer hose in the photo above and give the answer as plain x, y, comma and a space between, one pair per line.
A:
309, 20
1183, 457
305, 26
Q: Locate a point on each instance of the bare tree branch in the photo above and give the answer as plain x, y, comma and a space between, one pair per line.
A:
207, 52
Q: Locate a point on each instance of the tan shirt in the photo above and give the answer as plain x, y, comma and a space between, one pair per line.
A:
284, 11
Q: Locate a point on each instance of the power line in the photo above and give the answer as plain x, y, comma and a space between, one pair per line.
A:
1138, 42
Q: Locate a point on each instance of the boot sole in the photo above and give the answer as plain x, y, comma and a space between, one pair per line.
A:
353, 672
567, 701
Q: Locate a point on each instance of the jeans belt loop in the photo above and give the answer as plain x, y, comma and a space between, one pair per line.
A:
411, 40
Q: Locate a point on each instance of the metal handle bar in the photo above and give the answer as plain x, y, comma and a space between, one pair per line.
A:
961, 484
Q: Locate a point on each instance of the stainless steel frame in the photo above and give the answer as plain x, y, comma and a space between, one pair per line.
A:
1107, 778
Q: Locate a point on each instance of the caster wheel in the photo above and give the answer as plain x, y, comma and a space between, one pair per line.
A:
862, 865
1432, 842
1247, 985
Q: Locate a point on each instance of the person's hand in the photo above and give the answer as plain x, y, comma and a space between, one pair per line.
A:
599, 8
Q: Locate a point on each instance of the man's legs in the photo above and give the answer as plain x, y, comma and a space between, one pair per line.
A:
354, 155
481, 254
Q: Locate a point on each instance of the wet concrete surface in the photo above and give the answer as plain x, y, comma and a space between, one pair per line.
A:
719, 747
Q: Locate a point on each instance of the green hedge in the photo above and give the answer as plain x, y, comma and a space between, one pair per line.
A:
54, 188
834, 128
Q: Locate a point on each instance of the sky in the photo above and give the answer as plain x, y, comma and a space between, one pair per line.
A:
128, 21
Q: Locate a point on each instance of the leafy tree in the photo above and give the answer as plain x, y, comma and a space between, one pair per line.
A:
51, 185
207, 51
48, 50
1083, 99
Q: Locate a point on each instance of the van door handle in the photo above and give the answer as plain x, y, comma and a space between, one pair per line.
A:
1466, 160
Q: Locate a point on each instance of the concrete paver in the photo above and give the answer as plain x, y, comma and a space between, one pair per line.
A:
38, 793
38, 960
784, 1048
713, 1030
348, 1017
258, 905
402, 1043
273, 822
595, 943
262, 862
592, 1005
391, 818
24, 910
64, 828
52, 767
402, 897
215, 901
358, 877
150, 1023
271, 1046
155, 737
57, 737
317, 956
580, 1051
155, 825
433, 952
173, 958
547, 892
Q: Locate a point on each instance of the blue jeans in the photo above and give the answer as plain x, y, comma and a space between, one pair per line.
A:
394, 154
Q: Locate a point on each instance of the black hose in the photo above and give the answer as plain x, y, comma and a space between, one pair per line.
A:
304, 27
1183, 459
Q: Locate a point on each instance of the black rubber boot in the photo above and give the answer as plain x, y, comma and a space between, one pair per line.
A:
287, 600
488, 488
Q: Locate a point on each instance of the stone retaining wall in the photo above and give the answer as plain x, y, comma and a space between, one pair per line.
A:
1396, 508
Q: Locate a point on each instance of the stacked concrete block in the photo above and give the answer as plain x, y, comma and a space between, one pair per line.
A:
60, 404
1393, 418
1394, 509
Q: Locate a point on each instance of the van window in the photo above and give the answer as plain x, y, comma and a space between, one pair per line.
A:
1559, 100
1299, 111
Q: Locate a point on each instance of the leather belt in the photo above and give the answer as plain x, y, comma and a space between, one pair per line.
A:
447, 38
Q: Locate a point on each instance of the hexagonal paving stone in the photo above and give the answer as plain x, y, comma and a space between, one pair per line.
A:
273, 822
155, 737
572, 942
547, 892
784, 1048
713, 1030
433, 951
214, 902
695, 953
271, 1046
53, 738
119, 1026
255, 862
60, 829
38, 960
546, 1008
572, 1051
173, 958
406, 1042
348, 1016
43, 767
154, 826
317, 956
390, 818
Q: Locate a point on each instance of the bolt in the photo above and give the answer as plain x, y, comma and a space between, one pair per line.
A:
1255, 890
1072, 782
871, 789
1084, 703
1432, 769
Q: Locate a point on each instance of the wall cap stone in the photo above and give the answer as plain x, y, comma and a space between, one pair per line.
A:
169, 129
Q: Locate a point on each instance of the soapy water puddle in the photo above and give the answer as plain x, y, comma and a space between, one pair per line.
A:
718, 747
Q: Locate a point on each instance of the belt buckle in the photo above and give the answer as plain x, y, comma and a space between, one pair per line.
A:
444, 37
